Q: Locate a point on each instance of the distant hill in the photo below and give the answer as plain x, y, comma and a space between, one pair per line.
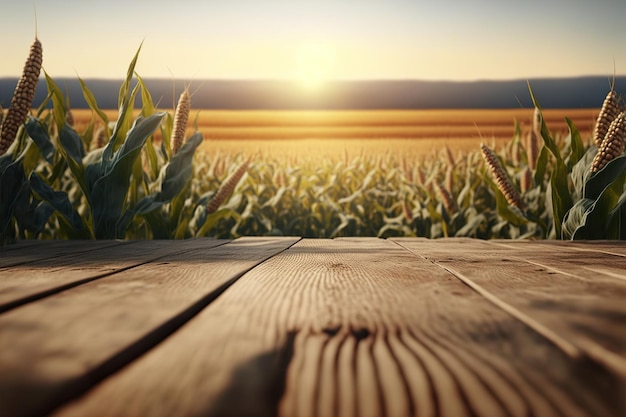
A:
580, 92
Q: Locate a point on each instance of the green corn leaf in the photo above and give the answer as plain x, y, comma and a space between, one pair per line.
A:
153, 159
175, 176
581, 172
180, 169
540, 169
182, 230
576, 143
40, 137
147, 105
88, 133
110, 189
35, 219
31, 157
147, 109
470, 229
177, 204
576, 217
597, 220
598, 181
617, 219
137, 183
72, 143
58, 200
123, 96
166, 134
13, 186
93, 105
213, 219
561, 197
43, 106
545, 134
159, 225
73, 152
58, 101
123, 123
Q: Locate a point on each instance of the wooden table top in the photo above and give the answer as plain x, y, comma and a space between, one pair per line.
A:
309, 327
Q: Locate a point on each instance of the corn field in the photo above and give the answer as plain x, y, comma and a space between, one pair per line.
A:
137, 178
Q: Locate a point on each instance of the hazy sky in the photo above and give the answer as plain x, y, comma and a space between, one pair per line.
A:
344, 39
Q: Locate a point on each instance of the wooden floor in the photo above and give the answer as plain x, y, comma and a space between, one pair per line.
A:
305, 327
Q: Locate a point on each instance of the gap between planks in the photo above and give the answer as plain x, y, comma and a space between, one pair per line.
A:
33, 280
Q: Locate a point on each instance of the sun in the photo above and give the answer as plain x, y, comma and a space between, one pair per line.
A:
315, 65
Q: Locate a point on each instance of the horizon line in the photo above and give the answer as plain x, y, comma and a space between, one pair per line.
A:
337, 80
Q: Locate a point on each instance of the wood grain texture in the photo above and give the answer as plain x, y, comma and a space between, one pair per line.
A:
615, 247
552, 289
22, 244
353, 327
60, 346
33, 280
28, 253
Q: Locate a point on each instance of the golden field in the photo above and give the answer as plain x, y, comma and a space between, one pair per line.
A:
371, 131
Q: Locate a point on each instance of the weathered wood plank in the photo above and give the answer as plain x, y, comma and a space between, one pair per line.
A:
21, 244
33, 280
354, 327
62, 345
615, 247
583, 261
52, 249
579, 261
549, 287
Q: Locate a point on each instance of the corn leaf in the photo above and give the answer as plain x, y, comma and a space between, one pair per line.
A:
576, 143
597, 182
57, 200
40, 137
13, 185
72, 144
147, 109
540, 169
576, 217
545, 134
93, 105
617, 219
581, 172
175, 176
213, 219
596, 222
35, 219
123, 95
110, 189
58, 102
123, 123
561, 197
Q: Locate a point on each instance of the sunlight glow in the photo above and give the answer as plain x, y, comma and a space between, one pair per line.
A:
315, 65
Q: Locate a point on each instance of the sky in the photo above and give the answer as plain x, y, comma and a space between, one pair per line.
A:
315, 41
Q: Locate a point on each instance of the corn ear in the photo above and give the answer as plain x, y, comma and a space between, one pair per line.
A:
446, 197
226, 189
609, 111
181, 119
23, 96
612, 145
502, 179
